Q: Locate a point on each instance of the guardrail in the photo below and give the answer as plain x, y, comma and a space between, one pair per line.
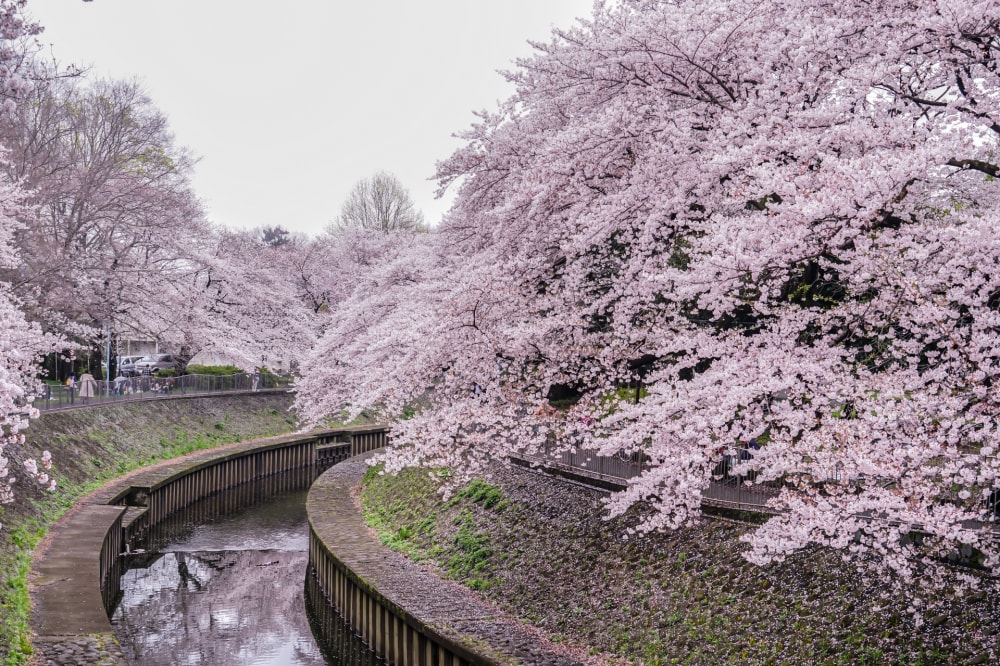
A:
613, 472
61, 396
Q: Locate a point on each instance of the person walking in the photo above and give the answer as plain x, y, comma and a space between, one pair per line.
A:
88, 387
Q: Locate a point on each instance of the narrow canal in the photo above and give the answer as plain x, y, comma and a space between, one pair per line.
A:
224, 583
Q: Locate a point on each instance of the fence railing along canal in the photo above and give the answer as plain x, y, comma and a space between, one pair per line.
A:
614, 472
731, 488
143, 387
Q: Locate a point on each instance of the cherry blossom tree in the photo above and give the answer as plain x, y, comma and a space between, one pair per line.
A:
314, 265
109, 193
317, 272
780, 216
242, 299
378, 318
21, 346
21, 343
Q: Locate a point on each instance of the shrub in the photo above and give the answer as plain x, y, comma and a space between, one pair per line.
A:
213, 370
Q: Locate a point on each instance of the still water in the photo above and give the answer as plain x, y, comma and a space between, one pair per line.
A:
229, 588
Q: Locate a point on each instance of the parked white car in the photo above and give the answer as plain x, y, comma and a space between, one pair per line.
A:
155, 363
126, 365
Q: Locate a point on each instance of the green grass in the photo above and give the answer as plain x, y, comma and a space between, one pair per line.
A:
471, 555
399, 526
481, 492
14, 597
417, 529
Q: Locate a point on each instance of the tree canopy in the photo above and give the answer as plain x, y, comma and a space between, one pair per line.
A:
780, 216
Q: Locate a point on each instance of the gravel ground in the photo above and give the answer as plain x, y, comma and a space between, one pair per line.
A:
81, 651
540, 548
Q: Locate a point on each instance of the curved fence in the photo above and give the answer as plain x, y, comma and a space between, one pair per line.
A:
614, 472
61, 396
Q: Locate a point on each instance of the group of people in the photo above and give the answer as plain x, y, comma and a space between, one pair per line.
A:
725, 468
86, 387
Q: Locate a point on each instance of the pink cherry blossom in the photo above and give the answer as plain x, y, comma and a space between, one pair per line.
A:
779, 215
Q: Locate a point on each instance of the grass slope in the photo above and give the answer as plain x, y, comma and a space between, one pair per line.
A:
539, 548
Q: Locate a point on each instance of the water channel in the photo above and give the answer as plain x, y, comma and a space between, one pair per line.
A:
224, 583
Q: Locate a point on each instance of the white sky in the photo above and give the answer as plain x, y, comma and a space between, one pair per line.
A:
289, 104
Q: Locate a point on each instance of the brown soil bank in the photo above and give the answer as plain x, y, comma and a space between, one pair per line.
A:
92, 445
539, 548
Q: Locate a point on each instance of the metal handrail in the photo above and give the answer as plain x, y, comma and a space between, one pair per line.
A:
726, 490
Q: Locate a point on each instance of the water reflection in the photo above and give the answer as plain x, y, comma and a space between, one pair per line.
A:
227, 590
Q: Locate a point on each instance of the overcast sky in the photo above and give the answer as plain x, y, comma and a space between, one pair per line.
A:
289, 104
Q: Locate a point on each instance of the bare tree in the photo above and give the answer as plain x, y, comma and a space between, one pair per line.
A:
379, 203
